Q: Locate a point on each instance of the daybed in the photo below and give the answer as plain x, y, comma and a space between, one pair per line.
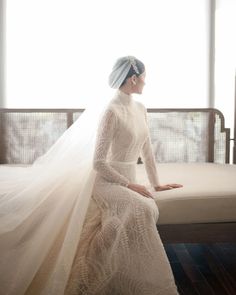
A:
191, 147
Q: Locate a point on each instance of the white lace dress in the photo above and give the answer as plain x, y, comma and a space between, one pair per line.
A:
120, 250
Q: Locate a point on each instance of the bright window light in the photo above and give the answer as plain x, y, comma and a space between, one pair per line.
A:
60, 52
225, 66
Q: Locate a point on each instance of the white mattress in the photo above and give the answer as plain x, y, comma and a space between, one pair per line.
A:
208, 195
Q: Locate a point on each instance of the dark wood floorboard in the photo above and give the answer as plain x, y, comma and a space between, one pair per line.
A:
203, 269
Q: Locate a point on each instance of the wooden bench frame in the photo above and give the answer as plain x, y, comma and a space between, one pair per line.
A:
219, 232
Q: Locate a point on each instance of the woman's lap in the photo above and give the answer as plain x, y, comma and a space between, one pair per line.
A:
118, 199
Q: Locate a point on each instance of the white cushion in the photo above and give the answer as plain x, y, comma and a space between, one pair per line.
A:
208, 193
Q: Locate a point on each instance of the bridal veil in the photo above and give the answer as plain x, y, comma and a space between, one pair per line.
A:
43, 206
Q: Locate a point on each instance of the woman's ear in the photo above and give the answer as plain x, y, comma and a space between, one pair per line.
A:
134, 79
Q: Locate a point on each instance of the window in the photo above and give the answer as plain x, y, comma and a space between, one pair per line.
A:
225, 58
60, 52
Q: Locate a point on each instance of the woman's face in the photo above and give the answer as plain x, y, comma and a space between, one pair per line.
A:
140, 82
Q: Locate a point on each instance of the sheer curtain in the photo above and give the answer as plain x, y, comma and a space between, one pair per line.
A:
225, 58
2, 51
60, 52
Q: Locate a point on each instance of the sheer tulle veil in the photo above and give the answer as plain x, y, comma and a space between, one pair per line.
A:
46, 202
43, 206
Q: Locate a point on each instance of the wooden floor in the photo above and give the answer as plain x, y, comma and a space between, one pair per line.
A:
203, 269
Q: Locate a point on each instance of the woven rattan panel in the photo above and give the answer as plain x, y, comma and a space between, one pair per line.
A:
187, 136
26, 136
177, 136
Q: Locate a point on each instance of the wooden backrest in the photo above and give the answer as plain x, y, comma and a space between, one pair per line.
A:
178, 135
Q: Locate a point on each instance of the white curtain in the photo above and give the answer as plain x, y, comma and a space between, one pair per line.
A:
2, 51
60, 52
225, 58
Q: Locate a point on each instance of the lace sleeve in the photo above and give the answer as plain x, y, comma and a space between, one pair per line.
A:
105, 134
149, 160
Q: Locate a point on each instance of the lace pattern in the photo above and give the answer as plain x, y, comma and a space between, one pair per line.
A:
120, 250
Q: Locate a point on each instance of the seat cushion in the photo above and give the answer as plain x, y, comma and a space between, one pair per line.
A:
208, 193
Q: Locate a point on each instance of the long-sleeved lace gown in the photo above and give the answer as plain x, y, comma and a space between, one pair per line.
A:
120, 251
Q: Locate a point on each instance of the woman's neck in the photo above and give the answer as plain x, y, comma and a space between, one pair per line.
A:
126, 89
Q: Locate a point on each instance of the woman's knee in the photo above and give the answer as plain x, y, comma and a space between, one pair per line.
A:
148, 207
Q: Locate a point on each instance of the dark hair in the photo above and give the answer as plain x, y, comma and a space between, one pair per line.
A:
141, 68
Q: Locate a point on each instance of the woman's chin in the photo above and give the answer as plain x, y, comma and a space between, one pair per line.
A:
139, 92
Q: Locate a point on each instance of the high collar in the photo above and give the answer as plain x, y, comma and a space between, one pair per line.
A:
126, 99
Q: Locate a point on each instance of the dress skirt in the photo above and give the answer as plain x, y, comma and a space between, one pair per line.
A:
120, 251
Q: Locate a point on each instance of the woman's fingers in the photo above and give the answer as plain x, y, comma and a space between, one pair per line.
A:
175, 185
168, 186
163, 187
148, 195
140, 189
145, 193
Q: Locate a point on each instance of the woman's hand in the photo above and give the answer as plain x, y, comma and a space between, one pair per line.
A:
141, 189
167, 186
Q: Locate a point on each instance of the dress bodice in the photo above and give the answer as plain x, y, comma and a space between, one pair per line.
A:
129, 128
123, 136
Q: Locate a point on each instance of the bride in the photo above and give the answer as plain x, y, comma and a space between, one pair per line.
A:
76, 221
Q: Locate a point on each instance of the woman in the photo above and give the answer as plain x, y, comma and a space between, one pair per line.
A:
51, 243
120, 251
